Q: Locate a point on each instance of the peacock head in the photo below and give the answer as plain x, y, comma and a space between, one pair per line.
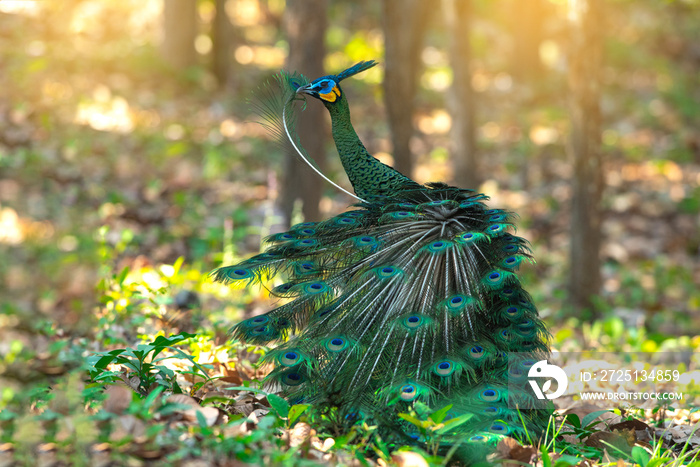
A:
327, 88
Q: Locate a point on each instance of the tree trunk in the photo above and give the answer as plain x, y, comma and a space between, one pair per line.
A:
527, 31
585, 56
306, 34
404, 24
527, 24
179, 32
222, 36
461, 100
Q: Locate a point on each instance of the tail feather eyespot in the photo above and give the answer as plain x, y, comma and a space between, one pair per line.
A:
337, 344
291, 357
499, 427
469, 238
314, 288
365, 241
306, 243
495, 230
293, 378
490, 395
386, 272
496, 279
457, 303
445, 368
477, 352
437, 247
409, 391
414, 321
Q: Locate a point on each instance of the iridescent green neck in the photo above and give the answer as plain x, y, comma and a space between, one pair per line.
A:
368, 176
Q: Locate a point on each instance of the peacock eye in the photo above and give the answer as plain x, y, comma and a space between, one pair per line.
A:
326, 86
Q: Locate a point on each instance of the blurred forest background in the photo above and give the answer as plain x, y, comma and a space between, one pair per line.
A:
131, 166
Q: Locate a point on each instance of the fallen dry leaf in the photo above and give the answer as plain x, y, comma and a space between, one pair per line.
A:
129, 425
118, 399
604, 439
230, 375
299, 434
183, 399
510, 449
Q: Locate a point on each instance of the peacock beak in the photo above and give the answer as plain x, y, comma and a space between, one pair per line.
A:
306, 89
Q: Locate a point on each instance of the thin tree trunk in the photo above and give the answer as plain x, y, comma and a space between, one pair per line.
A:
180, 30
461, 101
222, 35
306, 34
528, 18
585, 56
404, 24
527, 30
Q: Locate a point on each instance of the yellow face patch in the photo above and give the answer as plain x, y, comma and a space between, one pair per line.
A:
331, 96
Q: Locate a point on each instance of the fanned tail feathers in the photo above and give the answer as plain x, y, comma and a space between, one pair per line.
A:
412, 297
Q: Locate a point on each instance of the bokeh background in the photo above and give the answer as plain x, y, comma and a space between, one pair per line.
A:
131, 165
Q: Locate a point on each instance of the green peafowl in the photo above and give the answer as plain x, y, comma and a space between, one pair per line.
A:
410, 297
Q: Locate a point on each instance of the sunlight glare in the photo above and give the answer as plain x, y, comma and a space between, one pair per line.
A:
36, 48
105, 113
262, 56
439, 122
174, 132
437, 80
550, 53
576, 10
433, 56
542, 135
384, 158
246, 12
244, 55
480, 81
167, 270
503, 82
203, 44
22, 7
11, 231
229, 128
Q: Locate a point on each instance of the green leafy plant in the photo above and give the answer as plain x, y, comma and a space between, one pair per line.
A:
583, 428
432, 425
143, 363
284, 410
